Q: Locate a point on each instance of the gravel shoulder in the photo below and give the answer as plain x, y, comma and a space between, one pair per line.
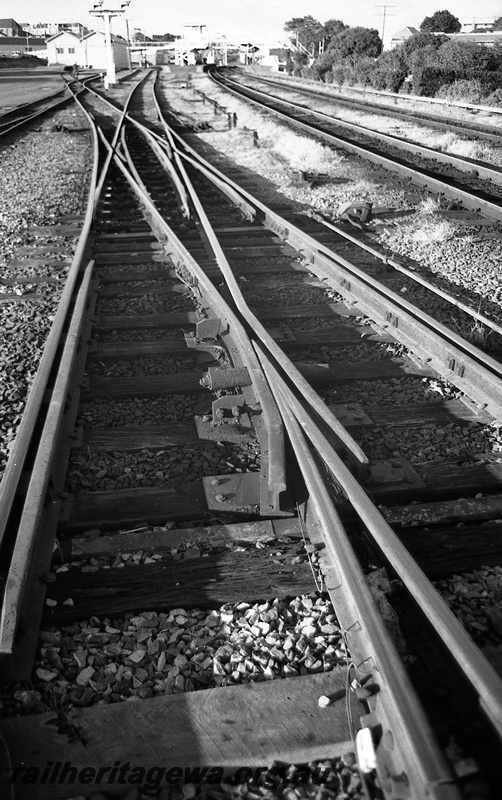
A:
45, 176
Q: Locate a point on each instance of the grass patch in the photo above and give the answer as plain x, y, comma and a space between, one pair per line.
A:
434, 232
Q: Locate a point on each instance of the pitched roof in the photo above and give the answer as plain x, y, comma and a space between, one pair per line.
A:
68, 33
114, 37
408, 30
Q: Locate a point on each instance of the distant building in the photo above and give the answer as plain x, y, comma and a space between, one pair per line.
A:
20, 45
274, 57
481, 37
48, 29
64, 48
9, 27
67, 48
196, 46
401, 36
478, 25
94, 51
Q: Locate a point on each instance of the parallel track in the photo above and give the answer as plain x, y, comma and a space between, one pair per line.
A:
468, 128
472, 184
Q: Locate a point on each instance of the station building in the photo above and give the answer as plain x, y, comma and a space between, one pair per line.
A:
67, 48
197, 46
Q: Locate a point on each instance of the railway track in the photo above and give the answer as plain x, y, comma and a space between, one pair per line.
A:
471, 183
347, 238
203, 420
17, 118
486, 131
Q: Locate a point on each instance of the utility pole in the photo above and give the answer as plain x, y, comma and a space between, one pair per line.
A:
128, 42
384, 15
106, 14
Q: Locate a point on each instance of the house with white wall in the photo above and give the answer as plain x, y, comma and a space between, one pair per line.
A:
64, 48
67, 48
94, 51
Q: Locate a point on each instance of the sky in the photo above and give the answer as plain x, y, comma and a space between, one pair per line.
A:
247, 20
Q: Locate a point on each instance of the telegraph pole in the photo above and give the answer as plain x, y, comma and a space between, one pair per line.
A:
384, 15
106, 14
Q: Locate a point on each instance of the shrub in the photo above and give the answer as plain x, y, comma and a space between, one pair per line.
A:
323, 65
494, 99
389, 72
389, 80
463, 91
363, 70
339, 75
308, 72
428, 80
395, 80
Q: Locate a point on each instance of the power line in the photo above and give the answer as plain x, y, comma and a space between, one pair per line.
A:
385, 15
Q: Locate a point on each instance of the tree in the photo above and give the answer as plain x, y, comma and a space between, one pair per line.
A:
340, 74
418, 42
332, 27
390, 71
307, 30
323, 65
497, 25
351, 44
467, 56
441, 22
364, 70
300, 60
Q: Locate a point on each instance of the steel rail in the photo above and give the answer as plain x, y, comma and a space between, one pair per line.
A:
350, 446
433, 100
15, 464
465, 165
457, 126
6, 128
394, 705
122, 113
454, 301
405, 98
416, 580
14, 599
435, 779
273, 479
482, 676
17, 577
116, 136
417, 177
347, 442
159, 145
474, 372
474, 665
483, 319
